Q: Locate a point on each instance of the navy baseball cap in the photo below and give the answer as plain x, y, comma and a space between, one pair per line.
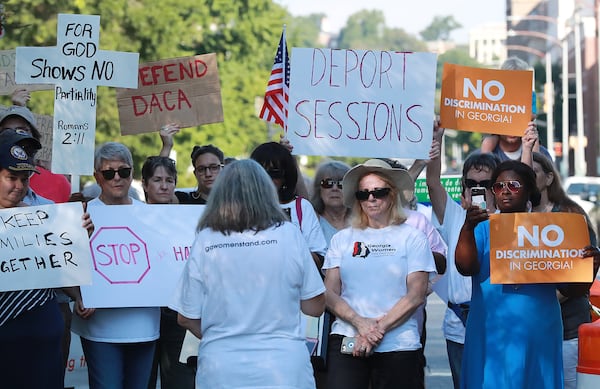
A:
20, 137
14, 158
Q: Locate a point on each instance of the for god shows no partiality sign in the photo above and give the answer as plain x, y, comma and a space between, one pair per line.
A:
361, 103
76, 66
43, 247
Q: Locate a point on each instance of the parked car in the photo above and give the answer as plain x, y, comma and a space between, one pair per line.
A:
586, 192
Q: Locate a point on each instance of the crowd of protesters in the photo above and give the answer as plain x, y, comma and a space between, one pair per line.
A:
351, 250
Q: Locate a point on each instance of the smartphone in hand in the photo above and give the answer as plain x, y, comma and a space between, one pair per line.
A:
347, 345
478, 197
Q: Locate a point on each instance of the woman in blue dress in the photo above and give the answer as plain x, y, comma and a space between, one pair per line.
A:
514, 332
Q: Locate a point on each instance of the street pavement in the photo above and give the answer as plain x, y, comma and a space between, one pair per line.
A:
437, 372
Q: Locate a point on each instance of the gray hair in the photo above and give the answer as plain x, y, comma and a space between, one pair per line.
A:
328, 169
514, 63
242, 198
112, 151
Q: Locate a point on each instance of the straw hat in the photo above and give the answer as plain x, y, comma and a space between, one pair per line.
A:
400, 177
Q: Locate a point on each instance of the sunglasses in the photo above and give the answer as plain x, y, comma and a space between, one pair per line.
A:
203, 170
378, 193
276, 173
512, 186
328, 183
109, 174
469, 183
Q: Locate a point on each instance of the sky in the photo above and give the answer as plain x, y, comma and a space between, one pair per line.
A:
411, 15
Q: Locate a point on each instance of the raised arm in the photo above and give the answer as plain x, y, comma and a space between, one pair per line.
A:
167, 133
437, 193
529, 142
465, 255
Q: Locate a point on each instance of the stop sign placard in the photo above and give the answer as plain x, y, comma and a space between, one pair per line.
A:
119, 255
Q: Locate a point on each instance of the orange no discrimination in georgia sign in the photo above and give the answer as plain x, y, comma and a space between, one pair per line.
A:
486, 100
544, 247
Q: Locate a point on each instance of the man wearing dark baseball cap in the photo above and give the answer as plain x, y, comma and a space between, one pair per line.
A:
13, 157
22, 138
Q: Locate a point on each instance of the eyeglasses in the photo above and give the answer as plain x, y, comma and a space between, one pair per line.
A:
109, 174
203, 170
328, 183
378, 193
513, 186
276, 173
469, 183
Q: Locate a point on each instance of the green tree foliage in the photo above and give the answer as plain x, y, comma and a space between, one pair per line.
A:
304, 31
243, 34
440, 28
367, 30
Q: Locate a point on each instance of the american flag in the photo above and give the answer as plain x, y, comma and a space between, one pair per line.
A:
275, 105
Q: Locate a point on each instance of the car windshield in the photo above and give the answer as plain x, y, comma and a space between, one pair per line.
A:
579, 187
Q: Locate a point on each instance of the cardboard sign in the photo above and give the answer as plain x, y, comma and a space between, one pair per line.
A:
543, 247
452, 184
486, 100
8, 83
76, 67
138, 253
183, 90
43, 247
361, 103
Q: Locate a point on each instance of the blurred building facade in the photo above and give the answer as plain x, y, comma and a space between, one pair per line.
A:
487, 44
560, 36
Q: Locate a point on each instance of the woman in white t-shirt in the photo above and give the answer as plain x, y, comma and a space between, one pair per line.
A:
248, 277
118, 343
377, 272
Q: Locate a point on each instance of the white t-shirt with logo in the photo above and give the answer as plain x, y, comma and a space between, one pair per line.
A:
374, 265
246, 288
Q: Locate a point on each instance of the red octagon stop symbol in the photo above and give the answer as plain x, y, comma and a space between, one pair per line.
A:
119, 255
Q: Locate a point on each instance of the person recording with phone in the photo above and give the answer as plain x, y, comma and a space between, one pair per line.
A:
377, 272
505, 345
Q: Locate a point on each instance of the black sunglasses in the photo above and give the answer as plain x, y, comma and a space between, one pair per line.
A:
124, 172
328, 183
469, 183
378, 193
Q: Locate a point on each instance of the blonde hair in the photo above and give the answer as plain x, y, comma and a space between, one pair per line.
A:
396, 212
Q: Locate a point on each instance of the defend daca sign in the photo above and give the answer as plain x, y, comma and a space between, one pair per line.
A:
544, 247
182, 90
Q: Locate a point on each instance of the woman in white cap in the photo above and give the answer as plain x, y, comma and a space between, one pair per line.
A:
377, 275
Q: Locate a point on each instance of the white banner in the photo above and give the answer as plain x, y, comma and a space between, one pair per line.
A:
43, 247
138, 253
362, 103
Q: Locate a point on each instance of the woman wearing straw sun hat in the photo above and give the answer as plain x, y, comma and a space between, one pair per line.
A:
377, 275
